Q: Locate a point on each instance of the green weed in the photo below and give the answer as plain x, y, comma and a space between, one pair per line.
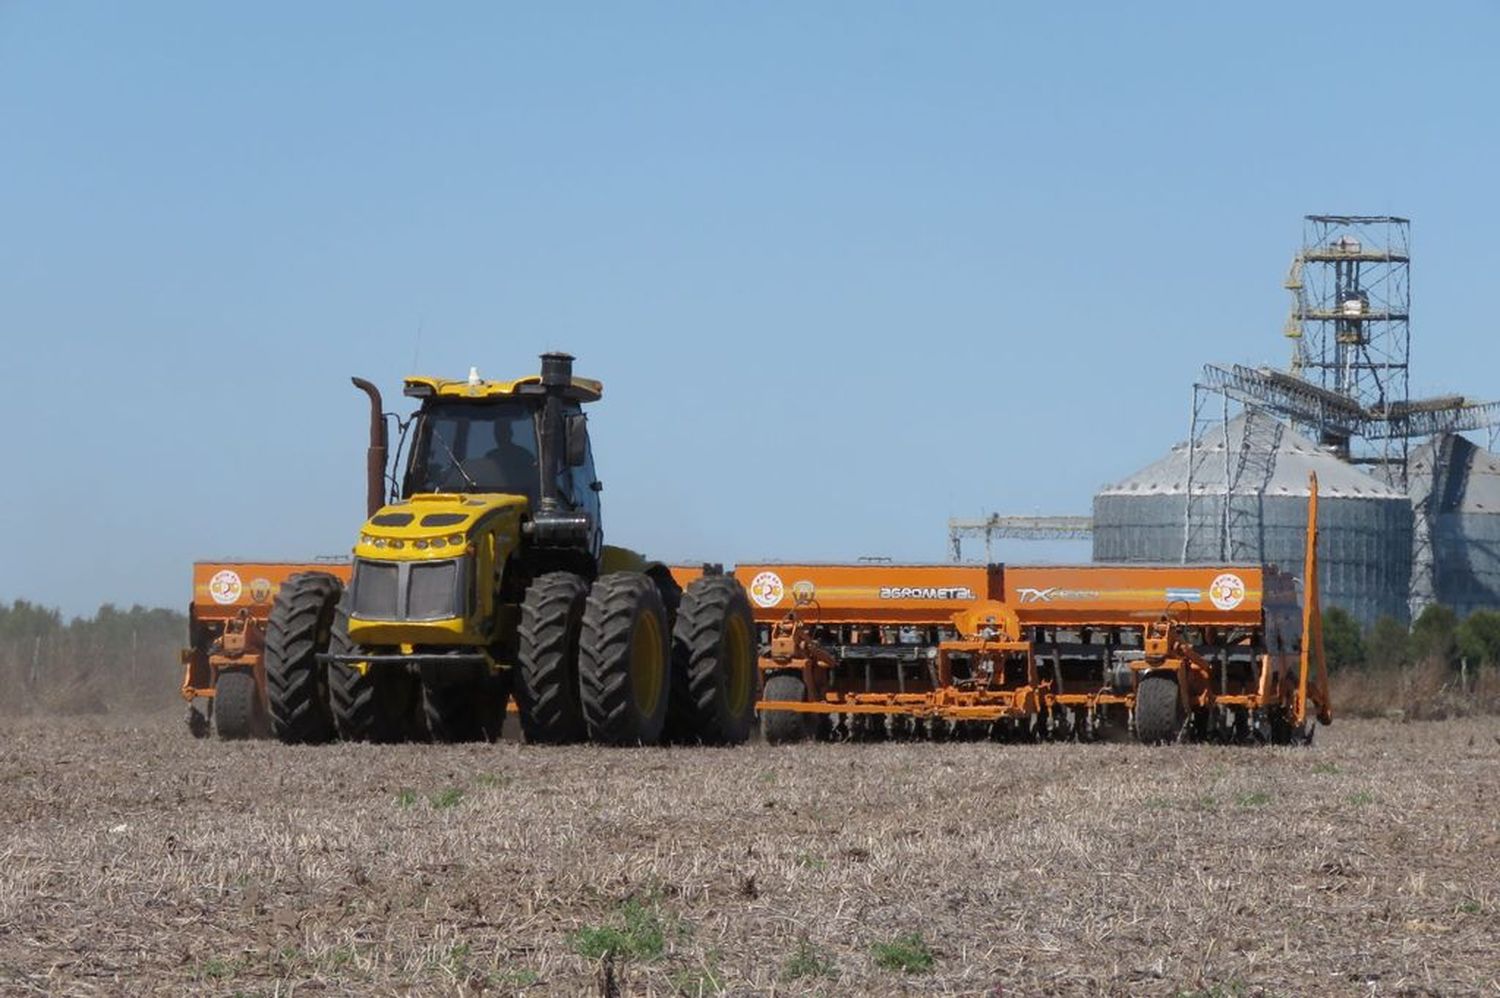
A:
807, 961
907, 953
637, 933
520, 978
445, 798
218, 968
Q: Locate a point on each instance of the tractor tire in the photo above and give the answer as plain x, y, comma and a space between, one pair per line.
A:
782, 727
1158, 710
471, 711
546, 672
199, 722
297, 631
714, 664
624, 668
450, 711
493, 696
373, 705
671, 592
237, 715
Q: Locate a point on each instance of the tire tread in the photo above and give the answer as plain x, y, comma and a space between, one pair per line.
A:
604, 660
698, 710
296, 632
546, 683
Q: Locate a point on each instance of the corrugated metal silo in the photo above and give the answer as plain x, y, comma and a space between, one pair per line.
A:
1458, 562
1249, 482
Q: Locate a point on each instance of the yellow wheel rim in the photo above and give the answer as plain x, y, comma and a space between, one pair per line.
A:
647, 670
739, 678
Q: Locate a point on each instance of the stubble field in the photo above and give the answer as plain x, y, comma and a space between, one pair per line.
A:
134, 860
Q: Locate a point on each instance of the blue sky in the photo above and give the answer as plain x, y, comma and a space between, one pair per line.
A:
845, 269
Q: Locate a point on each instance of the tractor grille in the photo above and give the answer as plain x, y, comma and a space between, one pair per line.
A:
375, 590
424, 590
433, 591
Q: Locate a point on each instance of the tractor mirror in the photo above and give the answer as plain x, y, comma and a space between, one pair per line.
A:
576, 439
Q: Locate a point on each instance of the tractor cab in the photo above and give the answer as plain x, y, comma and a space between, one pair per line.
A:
525, 438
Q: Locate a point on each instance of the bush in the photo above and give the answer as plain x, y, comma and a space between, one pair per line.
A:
1342, 644
1387, 643
1433, 634
1478, 638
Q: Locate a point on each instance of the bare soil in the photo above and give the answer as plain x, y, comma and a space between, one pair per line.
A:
135, 860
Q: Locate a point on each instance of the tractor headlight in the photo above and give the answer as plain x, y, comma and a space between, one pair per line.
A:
379, 542
455, 538
420, 544
397, 543
439, 542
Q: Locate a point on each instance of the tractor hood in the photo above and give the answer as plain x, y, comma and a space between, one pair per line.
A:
439, 525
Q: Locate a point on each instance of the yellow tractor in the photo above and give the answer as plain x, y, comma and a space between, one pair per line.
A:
484, 575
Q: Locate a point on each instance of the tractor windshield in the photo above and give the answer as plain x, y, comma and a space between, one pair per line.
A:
475, 447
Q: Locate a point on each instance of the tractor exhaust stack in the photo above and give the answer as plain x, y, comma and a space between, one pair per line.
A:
376, 454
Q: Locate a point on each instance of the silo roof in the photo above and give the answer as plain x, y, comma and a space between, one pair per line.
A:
1277, 462
1469, 481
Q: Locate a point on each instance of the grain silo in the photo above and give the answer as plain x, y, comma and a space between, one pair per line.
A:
1248, 482
1455, 493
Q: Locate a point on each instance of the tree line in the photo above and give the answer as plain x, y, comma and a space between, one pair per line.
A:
115, 659
1437, 635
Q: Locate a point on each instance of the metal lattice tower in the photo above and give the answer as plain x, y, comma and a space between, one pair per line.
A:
1350, 320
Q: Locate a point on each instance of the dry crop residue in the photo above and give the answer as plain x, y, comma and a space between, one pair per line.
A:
136, 860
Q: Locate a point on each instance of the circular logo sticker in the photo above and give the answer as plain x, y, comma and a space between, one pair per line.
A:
766, 589
225, 587
803, 592
1227, 591
260, 590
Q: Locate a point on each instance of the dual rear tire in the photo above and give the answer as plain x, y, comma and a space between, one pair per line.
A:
546, 672
714, 664
624, 672
608, 663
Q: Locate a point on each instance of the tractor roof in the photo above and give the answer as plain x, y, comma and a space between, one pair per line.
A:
419, 386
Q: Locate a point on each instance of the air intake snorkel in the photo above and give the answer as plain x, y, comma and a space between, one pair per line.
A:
557, 375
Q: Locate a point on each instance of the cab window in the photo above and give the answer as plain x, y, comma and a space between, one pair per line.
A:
475, 447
